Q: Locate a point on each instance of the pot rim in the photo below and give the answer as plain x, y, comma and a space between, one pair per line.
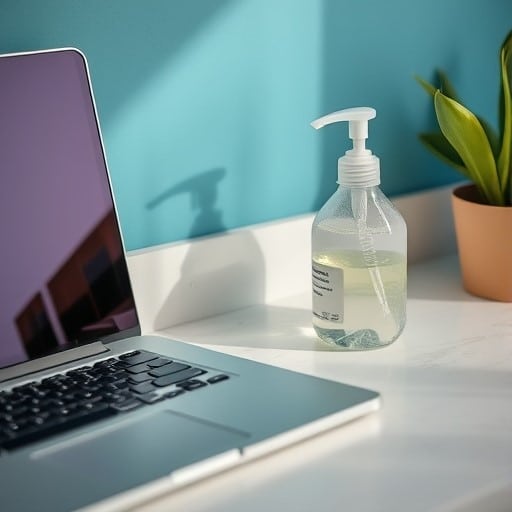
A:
469, 193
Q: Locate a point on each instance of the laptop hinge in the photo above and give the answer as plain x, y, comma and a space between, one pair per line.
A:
45, 363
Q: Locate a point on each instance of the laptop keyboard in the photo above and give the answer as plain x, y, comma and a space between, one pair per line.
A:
39, 409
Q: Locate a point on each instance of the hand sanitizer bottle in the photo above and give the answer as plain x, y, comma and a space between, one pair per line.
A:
359, 250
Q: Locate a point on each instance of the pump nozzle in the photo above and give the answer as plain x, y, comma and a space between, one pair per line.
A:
357, 118
358, 168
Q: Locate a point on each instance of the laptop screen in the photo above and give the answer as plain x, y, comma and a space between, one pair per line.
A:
63, 274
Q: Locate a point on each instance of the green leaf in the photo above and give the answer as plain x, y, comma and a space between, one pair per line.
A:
448, 89
444, 84
437, 144
465, 133
502, 99
504, 158
426, 85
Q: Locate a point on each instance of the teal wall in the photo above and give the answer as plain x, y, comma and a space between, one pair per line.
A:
205, 104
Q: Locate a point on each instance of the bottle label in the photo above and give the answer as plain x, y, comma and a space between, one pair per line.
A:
327, 292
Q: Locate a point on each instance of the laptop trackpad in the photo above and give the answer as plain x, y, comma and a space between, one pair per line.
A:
144, 449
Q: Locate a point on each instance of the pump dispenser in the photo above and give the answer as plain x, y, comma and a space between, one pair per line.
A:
359, 250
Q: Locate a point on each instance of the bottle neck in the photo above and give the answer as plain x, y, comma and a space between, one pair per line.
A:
358, 171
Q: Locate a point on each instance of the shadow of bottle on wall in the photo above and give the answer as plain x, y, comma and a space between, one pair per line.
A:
220, 272
203, 190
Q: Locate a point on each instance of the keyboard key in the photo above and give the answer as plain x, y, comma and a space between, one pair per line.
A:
140, 377
126, 405
150, 398
168, 368
159, 362
104, 362
121, 383
5, 418
190, 385
111, 397
173, 378
138, 368
23, 410
141, 357
129, 354
120, 365
39, 420
144, 387
172, 394
14, 427
106, 380
217, 378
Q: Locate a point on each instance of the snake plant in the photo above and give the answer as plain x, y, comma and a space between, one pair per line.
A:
467, 142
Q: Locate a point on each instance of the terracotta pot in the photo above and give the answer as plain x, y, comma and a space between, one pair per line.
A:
484, 241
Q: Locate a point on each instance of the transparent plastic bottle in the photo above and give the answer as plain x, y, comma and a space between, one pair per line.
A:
359, 252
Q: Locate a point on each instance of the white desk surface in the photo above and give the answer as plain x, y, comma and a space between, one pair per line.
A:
442, 440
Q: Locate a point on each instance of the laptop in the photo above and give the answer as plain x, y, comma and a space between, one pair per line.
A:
91, 409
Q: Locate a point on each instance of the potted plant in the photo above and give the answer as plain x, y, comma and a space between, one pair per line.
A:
483, 209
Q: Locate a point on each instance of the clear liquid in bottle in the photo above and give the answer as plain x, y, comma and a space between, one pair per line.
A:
347, 310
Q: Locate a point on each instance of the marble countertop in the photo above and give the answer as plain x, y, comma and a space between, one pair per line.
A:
443, 438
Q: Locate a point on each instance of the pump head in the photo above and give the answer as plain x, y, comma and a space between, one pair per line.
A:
358, 168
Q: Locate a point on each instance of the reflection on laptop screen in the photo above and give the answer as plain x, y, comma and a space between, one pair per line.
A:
63, 275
